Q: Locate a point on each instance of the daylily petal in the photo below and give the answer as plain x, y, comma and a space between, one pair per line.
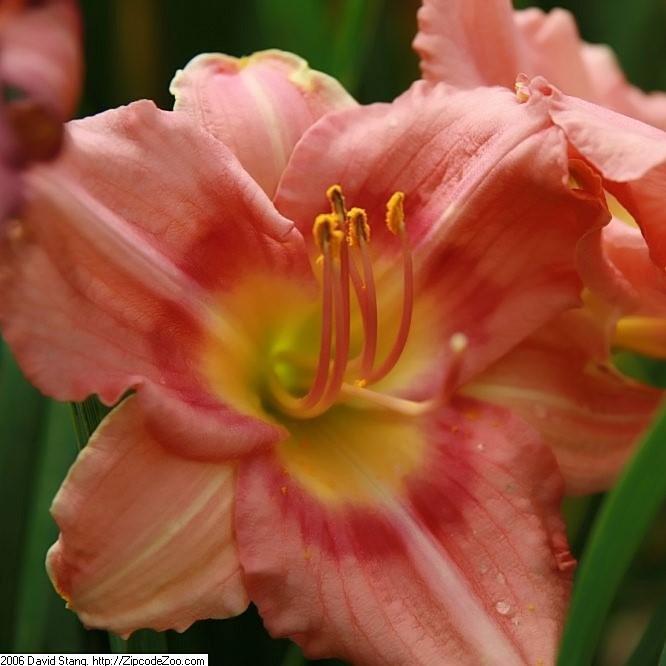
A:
146, 537
465, 160
259, 106
550, 46
614, 91
626, 248
472, 43
630, 155
112, 273
403, 543
40, 53
198, 427
466, 44
561, 381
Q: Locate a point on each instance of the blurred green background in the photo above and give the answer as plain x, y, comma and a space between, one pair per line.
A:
133, 48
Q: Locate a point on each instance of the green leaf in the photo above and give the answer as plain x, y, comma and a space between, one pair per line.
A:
644, 369
300, 27
22, 410
144, 641
293, 656
652, 642
580, 514
624, 519
87, 416
241, 641
118, 645
333, 37
356, 33
43, 623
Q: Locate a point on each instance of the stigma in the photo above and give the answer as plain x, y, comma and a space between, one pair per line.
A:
342, 237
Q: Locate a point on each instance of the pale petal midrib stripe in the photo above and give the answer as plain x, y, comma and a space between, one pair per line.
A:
470, 616
499, 393
271, 122
167, 535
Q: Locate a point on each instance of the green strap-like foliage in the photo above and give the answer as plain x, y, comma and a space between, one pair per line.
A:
624, 520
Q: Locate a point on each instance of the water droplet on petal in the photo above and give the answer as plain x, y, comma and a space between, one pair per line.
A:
480, 447
501, 578
502, 607
483, 569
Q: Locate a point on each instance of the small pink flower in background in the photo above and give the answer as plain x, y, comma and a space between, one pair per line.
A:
472, 44
304, 430
40, 76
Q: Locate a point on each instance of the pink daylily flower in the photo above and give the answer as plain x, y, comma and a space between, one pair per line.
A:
304, 430
40, 76
486, 42
627, 159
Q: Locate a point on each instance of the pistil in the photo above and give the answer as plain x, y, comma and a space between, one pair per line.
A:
458, 345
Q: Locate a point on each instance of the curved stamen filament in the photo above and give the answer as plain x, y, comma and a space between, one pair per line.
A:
395, 220
319, 383
359, 236
370, 338
289, 402
330, 240
342, 336
359, 288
